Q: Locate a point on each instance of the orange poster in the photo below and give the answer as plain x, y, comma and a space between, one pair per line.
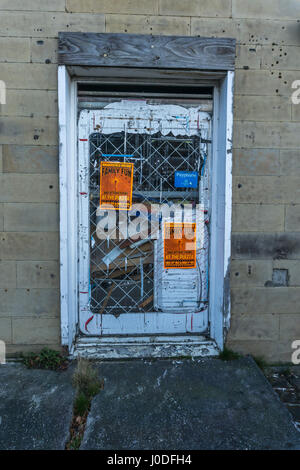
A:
179, 245
116, 180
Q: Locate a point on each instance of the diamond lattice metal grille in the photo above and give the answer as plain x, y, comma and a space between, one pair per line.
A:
125, 284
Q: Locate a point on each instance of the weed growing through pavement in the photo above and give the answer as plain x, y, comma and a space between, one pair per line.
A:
87, 384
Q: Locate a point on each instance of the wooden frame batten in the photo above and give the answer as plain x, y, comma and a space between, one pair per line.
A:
146, 51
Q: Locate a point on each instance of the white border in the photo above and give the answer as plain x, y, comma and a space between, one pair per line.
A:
221, 208
221, 190
67, 91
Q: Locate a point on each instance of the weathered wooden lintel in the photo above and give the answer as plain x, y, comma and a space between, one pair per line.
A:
146, 51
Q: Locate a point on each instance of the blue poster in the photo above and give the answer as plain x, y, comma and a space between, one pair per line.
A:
186, 179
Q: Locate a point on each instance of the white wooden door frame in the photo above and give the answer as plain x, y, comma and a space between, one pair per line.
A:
67, 98
221, 191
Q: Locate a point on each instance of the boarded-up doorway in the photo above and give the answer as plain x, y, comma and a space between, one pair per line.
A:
129, 283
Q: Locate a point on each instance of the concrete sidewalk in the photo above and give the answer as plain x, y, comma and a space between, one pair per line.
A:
200, 404
36, 408
161, 404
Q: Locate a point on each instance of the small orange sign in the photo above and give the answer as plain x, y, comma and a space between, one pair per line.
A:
116, 179
179, 245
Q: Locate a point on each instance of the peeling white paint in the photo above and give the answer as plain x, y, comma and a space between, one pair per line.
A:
142, 347
139, 117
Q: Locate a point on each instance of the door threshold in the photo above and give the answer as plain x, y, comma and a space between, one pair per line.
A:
143, 347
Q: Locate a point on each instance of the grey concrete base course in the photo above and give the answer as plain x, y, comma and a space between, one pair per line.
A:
187, 404
160, 404
36, 408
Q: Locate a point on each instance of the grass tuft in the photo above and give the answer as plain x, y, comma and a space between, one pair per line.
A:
45, 359
260, 362
228, 355
81, 405
85, 379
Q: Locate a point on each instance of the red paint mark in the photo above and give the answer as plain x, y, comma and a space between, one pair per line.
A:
83, 292
83, 140
82, 194
87, 322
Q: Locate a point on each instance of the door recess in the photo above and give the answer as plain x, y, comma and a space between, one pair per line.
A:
130, 284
